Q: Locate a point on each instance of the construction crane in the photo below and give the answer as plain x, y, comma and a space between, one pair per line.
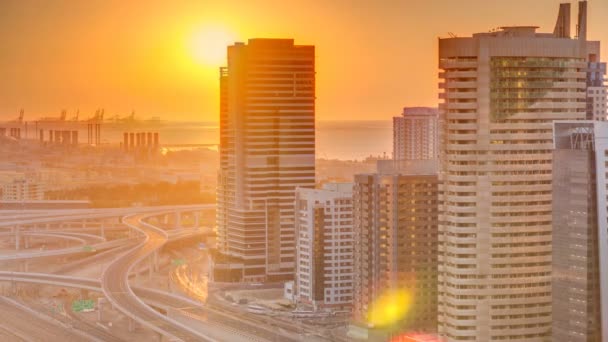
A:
61, 118
19, 120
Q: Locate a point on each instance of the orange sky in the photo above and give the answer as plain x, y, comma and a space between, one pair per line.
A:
373, 57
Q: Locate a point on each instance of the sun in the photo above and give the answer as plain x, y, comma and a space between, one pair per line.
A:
208, 45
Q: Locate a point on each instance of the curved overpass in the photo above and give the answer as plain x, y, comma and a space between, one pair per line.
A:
36, 217
114, 283
161, 298
116, 288
32, 254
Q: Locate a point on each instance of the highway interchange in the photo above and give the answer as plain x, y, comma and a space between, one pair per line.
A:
145, 306
109, 252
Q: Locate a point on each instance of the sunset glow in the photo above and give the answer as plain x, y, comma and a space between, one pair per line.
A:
329, 171
149, 56
208, 45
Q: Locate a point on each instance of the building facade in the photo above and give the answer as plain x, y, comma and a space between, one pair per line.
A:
22, 190
580, 231
415, 134
501, 92
597, 100
324, 231
267, 150
395, 226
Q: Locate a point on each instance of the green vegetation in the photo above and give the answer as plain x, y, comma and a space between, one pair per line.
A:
162, 193
83, 305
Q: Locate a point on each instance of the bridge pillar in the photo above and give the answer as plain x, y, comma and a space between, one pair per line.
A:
26, 241
100, 306
131, 325
166, 219
197, 218
178, 220
150, 267
84, 223
103, 229
84, 293
155, 260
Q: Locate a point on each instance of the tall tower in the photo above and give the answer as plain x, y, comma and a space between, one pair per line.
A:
502, 91
267, 150
415, 134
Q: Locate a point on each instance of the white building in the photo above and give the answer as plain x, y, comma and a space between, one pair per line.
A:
415, 134
324, 233
596, 97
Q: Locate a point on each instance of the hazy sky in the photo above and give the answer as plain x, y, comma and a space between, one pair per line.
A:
373, 57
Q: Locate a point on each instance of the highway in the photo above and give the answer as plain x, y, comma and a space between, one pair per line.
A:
18, 324
115, 285
32, 254
34, 217
156, 297
161, 299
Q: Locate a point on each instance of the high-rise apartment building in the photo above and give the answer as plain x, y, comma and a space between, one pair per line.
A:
502, 90
267, 150
324, 232
395, 213
415, 134
580, 231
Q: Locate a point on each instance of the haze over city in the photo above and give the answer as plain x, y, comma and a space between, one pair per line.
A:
161, 59
304, 171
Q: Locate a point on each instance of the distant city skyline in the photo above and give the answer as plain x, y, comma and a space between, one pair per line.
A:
147, 57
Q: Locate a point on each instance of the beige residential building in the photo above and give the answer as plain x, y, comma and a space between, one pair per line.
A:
416, 134
501, 92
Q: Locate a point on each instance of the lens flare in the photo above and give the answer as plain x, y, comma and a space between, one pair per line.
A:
415, 337
389, 308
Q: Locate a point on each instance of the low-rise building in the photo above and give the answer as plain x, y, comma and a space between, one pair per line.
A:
22, 190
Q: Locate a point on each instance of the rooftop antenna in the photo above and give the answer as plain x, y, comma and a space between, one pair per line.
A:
562, 26
581, 28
